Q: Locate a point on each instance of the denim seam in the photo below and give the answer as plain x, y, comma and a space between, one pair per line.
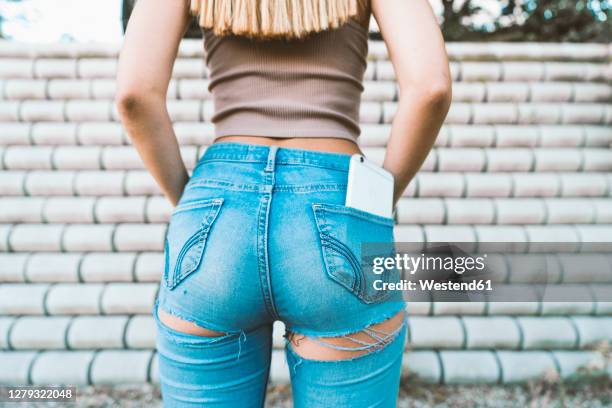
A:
199, 238
310, 188
320, 221
342, 209
263, 217
262, 255
195, 205
211, 183
194, 241
301, 162
330, 243
165, 275
333, 244
226, 185
332, 268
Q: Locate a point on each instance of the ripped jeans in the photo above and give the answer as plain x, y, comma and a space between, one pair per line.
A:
261, 234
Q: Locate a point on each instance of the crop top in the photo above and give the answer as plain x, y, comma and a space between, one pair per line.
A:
309, 87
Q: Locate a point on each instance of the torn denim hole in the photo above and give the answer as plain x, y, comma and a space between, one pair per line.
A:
381, 339
180, 337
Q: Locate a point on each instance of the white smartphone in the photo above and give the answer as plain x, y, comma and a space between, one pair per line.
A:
370, 187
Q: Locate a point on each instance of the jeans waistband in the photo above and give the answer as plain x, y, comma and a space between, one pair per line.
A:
275, 155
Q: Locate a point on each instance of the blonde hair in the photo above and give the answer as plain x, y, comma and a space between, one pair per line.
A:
274, 18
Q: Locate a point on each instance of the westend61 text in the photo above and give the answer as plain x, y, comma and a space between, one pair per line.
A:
430, 284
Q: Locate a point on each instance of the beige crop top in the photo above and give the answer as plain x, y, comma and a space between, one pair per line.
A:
308, 87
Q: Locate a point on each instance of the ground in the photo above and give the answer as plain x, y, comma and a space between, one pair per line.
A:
594, 394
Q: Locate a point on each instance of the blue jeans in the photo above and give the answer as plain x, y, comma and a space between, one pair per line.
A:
261, 234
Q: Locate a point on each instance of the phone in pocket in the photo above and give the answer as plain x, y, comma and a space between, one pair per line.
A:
370, 187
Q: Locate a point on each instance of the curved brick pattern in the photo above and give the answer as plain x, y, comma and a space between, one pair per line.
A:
92, 332
42, 183
428, 184
602, 296
470, 51
159, 209
69, 210
372, 112
18, 299
457, 308
586, 267
479, 83
74, 298
568, 307
5, 326
574, 365
140, 333
12, 267
120, 367
31, 237
149, 267
107, 267
115, 209
523, 157
61, 367
592, 331
491, 332
18, 363
88, 238
537, 332
437, 332
525, 365
52, 267
475, 211
154, 368
520, 211
121, 298
486, 371
424, 365
137, 237
51, 133
37, 332
488, 185
76, 158
24, 157
527, 268
449, 233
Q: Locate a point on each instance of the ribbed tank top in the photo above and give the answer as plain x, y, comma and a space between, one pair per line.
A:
308, 87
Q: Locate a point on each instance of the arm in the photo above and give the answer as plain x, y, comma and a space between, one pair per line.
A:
144, 70
416, 49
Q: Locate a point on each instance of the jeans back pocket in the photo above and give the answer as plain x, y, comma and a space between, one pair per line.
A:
351, 239
188, 232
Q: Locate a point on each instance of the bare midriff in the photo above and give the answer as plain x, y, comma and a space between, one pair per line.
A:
323, 144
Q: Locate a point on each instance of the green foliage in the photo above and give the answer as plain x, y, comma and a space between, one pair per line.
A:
530, 20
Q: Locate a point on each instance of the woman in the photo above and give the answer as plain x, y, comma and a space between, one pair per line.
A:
259, 232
